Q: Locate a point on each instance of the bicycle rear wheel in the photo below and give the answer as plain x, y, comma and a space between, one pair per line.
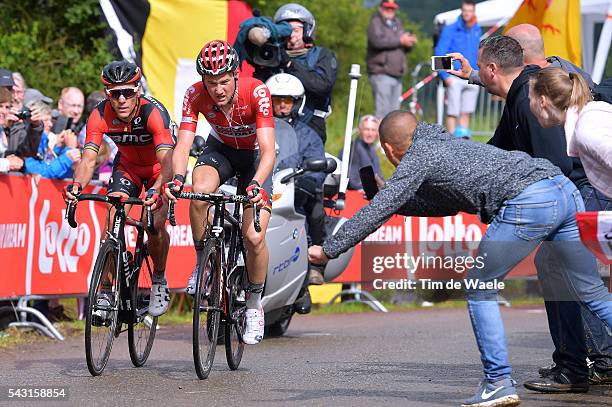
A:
103, 309
207, 309
236, 309
141, 331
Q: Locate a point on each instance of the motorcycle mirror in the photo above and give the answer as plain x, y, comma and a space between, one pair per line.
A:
315, 165
331, 165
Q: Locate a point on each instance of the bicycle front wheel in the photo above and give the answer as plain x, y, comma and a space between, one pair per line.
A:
207, 309
235, 323
102, 311
141, 331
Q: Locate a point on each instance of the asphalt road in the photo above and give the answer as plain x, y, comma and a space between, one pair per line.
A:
419, 358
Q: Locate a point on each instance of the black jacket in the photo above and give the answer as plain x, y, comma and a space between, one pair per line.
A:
318, 80
23, 139
519, 129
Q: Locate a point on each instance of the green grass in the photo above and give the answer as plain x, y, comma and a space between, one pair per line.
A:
354, 307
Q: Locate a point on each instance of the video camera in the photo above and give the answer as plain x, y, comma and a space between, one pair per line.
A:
268, 55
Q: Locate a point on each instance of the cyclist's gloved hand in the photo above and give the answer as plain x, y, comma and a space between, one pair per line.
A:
153, 199
258, 195
174, 187
72, 191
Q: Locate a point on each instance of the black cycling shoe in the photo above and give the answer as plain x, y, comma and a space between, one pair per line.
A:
600, 377
559, 381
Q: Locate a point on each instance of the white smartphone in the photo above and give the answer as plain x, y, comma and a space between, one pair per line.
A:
440, 63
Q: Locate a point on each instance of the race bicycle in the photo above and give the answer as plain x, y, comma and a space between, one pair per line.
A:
120, 287
221, 281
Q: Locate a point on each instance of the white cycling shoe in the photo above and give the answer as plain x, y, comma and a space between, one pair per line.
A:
192, 282
255, 322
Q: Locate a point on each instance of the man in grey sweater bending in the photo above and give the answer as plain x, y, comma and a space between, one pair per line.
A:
525, 201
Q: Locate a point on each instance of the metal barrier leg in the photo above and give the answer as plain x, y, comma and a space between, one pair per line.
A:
502, 301
45, 326
357, 293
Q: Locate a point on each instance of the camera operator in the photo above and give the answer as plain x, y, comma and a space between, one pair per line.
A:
316, 67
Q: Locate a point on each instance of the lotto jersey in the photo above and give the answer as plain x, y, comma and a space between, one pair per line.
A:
138, 141
252, 110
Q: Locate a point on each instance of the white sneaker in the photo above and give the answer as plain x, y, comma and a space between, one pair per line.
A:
254, 331
192, 282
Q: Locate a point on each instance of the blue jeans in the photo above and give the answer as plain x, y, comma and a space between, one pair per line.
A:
544, 212
597, 340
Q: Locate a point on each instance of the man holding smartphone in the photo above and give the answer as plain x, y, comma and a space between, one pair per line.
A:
462, 35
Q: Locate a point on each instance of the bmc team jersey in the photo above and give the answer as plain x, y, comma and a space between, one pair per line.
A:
137, 142
252, 110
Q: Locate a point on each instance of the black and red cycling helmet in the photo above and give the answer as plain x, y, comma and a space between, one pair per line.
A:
216, 58
120, 73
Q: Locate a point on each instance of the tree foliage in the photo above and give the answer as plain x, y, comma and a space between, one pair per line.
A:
54, 43
342, 27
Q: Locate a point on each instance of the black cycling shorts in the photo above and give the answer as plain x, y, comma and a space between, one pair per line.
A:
130, 179
230, 162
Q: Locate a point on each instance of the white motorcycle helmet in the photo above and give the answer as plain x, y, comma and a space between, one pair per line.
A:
284, 84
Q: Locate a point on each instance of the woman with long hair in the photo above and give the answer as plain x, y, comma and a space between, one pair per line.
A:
557, 97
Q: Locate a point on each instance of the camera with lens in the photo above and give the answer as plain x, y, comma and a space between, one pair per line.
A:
268, 55
24, 114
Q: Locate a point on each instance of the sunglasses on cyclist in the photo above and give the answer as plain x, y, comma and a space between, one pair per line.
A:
125, 92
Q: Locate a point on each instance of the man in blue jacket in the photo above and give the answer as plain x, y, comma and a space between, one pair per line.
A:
56, 153
462, 36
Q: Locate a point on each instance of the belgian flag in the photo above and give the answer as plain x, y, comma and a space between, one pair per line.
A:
164, 37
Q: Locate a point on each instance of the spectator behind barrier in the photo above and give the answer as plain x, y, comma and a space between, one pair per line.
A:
70, 105
24, 128
388, 45
93, 100
558, 98
57, 153
18, 90
462, 36
363, 152
10, 162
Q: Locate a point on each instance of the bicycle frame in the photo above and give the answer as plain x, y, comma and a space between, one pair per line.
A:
116, 234
216, 230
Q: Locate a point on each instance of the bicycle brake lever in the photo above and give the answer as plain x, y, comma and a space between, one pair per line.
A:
170, 216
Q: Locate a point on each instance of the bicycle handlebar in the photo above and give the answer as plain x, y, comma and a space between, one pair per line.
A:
215, 198
116, 201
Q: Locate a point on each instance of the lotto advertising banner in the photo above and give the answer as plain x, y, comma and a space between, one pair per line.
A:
414, 248
41, 254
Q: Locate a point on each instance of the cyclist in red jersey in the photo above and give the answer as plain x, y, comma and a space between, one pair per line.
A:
240, 113
140, 127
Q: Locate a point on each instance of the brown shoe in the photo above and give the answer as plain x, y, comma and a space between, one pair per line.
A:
315, 277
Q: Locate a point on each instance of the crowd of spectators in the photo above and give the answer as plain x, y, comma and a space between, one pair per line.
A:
45, 140
40, 138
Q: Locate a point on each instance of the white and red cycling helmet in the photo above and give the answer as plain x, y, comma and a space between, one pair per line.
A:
216, 58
